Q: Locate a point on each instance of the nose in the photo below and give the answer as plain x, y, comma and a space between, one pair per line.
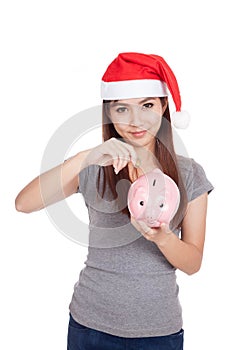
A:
136, 117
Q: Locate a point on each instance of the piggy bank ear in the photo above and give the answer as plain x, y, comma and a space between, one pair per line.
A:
137, 200
172, 196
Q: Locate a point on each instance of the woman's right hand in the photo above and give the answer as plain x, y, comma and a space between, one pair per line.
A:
113, 152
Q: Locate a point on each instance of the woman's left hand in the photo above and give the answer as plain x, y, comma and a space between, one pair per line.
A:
158, 235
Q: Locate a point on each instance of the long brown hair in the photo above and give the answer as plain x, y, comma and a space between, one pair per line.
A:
164, 153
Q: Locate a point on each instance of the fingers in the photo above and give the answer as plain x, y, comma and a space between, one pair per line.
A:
122, 154
113, 152
142, 227
120, 163
159, 235
166, 229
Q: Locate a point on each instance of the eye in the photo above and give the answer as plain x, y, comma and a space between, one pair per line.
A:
141, 203
147, 105
161, 205
121, 109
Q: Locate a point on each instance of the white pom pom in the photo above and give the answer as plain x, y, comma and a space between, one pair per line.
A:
181, 119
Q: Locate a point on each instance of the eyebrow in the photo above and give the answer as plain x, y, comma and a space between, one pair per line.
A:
118, 103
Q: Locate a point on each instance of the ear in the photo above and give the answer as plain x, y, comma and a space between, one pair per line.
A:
172, 195
135, 195
135, 192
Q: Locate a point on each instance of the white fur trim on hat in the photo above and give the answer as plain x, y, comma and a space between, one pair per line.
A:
117, 90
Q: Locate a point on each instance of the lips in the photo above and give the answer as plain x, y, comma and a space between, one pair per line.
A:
139, 133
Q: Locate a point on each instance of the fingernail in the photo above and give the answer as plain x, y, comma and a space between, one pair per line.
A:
137, 163
116, 171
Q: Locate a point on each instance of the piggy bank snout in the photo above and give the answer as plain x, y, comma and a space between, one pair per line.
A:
154, 211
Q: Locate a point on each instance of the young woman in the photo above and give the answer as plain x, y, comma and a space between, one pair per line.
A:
127, 295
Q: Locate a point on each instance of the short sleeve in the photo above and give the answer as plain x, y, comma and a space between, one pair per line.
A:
88, 178
198, 183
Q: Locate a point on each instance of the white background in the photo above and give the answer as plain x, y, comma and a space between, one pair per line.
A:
53, 55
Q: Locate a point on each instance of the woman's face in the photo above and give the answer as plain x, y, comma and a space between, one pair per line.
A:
137, 120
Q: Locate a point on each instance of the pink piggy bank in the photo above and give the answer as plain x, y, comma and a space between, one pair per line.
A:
153, 198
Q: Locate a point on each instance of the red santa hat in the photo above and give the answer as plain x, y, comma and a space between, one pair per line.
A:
135, 75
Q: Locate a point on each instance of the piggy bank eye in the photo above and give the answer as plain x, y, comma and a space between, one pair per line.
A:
161, 205
141, 203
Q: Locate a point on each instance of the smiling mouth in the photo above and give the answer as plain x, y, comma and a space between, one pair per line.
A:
139, 133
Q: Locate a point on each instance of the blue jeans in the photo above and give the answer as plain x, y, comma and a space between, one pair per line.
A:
83, 338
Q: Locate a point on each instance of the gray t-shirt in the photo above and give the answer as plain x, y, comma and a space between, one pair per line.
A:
128, 288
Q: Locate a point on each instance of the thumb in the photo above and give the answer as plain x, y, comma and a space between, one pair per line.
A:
165, 227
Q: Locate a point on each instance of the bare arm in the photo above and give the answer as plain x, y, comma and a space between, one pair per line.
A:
62, 181
51, 186
185, 254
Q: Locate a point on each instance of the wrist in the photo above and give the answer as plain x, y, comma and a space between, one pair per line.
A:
163, 238
83, 160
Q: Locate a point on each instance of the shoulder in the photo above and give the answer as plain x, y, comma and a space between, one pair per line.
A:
189, 166
194, 177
